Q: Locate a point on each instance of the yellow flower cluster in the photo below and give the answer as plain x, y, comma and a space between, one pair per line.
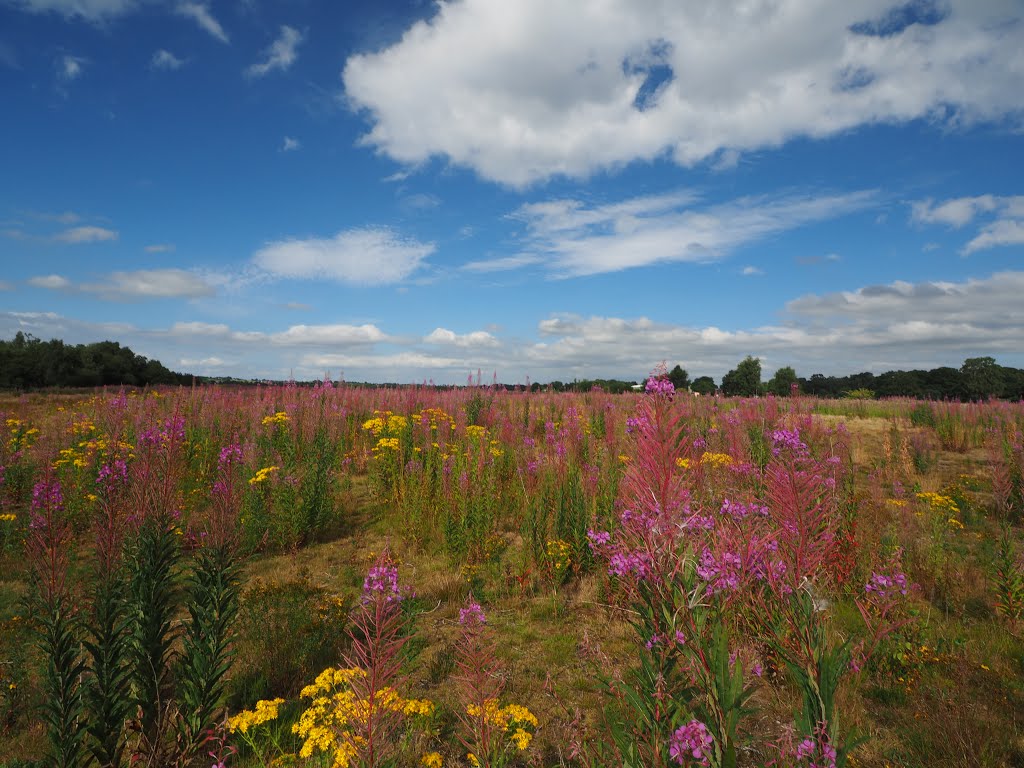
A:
475, 432
558, 554
21, 435
683, 463
896, 502
514, 719
432, 760
385, 422
496, 452
717, 459
262, 474
265, 711
85, 426
82, 454
335, 710
623, 459
8, 518
436, 416
281, 417
387, 444
939, 503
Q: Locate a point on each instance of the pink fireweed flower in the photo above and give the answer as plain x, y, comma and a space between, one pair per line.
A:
472, 615
784, 439
229, 454
635, 564
691, 743
659, 386
47, 495
886, 585
382, 580
597, 539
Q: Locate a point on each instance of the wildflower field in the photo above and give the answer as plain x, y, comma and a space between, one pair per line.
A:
348, 576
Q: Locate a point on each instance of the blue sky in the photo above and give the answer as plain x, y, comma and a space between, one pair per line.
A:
408, 191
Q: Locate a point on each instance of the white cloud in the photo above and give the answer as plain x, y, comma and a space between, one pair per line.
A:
329, 335
371, 256
290, 144
1002, 232
280, 55
53, 282
1005, 214
900, 325
749, 271
955, 213
577, 239
151, 284
200, 13
206, 362
70, 67
160, 248
166, 60
502, 264
523, 91
86, 234
89, 10
445, 337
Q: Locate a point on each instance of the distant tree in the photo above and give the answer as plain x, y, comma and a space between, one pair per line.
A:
981, 378
782, 382
745, 379
942, 384
704, 385
679, 377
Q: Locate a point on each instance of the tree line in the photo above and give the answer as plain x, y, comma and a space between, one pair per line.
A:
29, 363
979, 378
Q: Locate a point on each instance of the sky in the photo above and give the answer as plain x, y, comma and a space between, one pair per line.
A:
418, 191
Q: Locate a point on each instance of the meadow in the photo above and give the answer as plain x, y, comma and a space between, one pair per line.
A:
347, 576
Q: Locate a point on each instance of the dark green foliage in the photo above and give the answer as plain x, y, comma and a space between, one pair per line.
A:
817, 667
156, 597
108, 689
782, 382
27, 363
317, 487
62, 706
206, 653
679, 377
745, 379
704, 385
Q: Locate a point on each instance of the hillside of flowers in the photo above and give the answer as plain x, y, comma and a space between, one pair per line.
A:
345, 576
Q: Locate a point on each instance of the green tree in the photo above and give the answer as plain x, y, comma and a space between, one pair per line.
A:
704, 385
679, 377
782, 382
745, 379
981, 378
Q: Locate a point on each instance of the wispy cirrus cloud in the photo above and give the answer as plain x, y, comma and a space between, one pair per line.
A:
280, 55
52, 282
165, 60
69, 67
573, 238
1003, 218
200, 13
95, 11
86, 234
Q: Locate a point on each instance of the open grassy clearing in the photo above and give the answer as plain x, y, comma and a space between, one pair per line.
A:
944, 687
